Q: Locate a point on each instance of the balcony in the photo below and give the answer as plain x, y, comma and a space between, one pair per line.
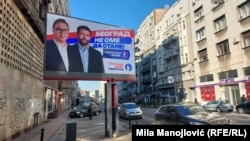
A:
170, 54
167, 42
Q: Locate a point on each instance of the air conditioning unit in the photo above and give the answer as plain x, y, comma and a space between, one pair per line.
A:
236, 40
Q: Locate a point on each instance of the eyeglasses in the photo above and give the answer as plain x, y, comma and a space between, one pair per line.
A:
60, 30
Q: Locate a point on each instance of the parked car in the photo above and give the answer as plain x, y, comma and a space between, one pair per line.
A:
219, 106
187, 114
118, 106
130, 110
78, 113
243, 107
82, 110
96, 108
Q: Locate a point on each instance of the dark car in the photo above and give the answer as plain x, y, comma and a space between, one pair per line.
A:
82, 111
243, 107
187, 114
78, 113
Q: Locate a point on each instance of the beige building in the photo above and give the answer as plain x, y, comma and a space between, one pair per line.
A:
174, 54
201, 49
25, 98
146, 64
220, 33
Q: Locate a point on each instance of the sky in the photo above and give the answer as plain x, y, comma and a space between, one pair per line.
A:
124, 13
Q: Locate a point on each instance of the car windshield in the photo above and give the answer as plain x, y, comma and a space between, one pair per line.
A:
131, 106
190, 110
81, 107
224, 101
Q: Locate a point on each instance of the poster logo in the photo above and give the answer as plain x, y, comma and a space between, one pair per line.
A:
128, 67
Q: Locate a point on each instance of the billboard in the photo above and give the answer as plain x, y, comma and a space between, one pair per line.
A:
78, 49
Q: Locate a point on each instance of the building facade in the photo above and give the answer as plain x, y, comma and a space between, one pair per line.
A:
201, 50
26, 99
220, 33
146, 65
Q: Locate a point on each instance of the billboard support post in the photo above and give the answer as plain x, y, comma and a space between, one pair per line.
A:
115, 120
111, 114
108, 99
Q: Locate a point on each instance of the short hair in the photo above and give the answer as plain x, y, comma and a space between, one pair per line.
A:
60, 21
83, 27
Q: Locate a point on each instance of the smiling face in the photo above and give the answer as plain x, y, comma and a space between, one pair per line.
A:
61, 31
84, 37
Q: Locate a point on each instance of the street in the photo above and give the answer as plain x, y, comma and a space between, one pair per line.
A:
86, 127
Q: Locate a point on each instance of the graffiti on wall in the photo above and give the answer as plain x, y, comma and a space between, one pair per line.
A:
3, 110
18, 117
22, 112
35, 105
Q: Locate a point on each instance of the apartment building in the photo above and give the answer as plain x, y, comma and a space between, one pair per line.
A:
25, 97
220, 33
146, 65
201, 48
174, 54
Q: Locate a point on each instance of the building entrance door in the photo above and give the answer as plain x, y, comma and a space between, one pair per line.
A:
235, 95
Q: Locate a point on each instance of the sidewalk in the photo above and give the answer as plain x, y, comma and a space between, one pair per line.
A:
53, 127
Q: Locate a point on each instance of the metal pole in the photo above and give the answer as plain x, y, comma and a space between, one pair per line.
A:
42, 133
129, 123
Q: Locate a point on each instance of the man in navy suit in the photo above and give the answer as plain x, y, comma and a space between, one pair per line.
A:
86, 58
57, 53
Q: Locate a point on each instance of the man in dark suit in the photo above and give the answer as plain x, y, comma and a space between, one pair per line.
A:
86, 58
57, 50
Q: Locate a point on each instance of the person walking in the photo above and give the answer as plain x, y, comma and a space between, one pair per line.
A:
90, 110
243, 99
196, 101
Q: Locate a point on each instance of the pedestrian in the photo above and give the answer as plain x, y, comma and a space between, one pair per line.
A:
195, 101
90, 110
243, 99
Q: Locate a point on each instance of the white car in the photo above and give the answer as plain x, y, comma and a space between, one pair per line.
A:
130, 110
219, 106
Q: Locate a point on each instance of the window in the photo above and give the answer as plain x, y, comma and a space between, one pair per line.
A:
203, 55
207, 78
247, 71
244, 10
167, 24
246, 38
223, 47
220, 23
232, 74
200, 34
222, 75
184, 24
198, 14
228, 74
216, 3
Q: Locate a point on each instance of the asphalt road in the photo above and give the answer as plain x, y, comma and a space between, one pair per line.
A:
86, 127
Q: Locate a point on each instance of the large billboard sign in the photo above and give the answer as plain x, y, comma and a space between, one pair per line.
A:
77, 49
